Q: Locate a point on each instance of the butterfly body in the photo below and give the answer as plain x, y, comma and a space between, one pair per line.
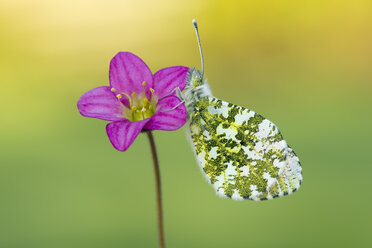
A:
242, 154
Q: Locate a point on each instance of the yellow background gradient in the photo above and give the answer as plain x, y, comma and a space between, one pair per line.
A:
305, 65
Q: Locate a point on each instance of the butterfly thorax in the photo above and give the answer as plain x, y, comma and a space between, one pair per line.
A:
196, 88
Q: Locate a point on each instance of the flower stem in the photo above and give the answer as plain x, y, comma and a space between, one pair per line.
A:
158, 189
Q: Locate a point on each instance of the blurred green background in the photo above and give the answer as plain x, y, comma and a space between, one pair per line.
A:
305, 65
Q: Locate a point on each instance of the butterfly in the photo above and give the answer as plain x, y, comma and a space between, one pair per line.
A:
242, 154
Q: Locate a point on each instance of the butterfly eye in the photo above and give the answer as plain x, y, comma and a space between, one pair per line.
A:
196, 83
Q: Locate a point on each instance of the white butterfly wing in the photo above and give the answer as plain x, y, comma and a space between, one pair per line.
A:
242, 154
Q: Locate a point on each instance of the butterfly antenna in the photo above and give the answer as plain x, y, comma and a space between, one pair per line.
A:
200, 49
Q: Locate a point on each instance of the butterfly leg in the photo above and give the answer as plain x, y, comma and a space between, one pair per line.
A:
179, 104
178, 93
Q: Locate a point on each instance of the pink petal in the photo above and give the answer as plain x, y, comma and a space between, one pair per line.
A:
168, 120
101, 103
167, 79
127, 72
123, 133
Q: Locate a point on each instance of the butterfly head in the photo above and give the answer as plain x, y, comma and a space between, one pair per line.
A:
196, 84
196, 88
195, 78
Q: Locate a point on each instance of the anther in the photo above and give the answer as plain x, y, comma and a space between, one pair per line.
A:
152, 90
134, 94
118, 96
113, 90
134, 108
143, 83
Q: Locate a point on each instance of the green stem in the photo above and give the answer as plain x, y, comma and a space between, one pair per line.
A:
158, 189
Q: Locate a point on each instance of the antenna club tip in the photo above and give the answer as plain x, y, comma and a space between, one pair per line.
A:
194, 22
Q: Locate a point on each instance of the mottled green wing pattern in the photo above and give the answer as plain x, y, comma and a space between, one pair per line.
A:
242, 154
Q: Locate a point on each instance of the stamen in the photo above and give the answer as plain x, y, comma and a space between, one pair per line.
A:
140, 106
143, 86
119, 96
129, 99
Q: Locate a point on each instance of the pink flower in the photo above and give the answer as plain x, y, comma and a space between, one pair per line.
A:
136, 100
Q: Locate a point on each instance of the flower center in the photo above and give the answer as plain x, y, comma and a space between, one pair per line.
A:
140, 107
